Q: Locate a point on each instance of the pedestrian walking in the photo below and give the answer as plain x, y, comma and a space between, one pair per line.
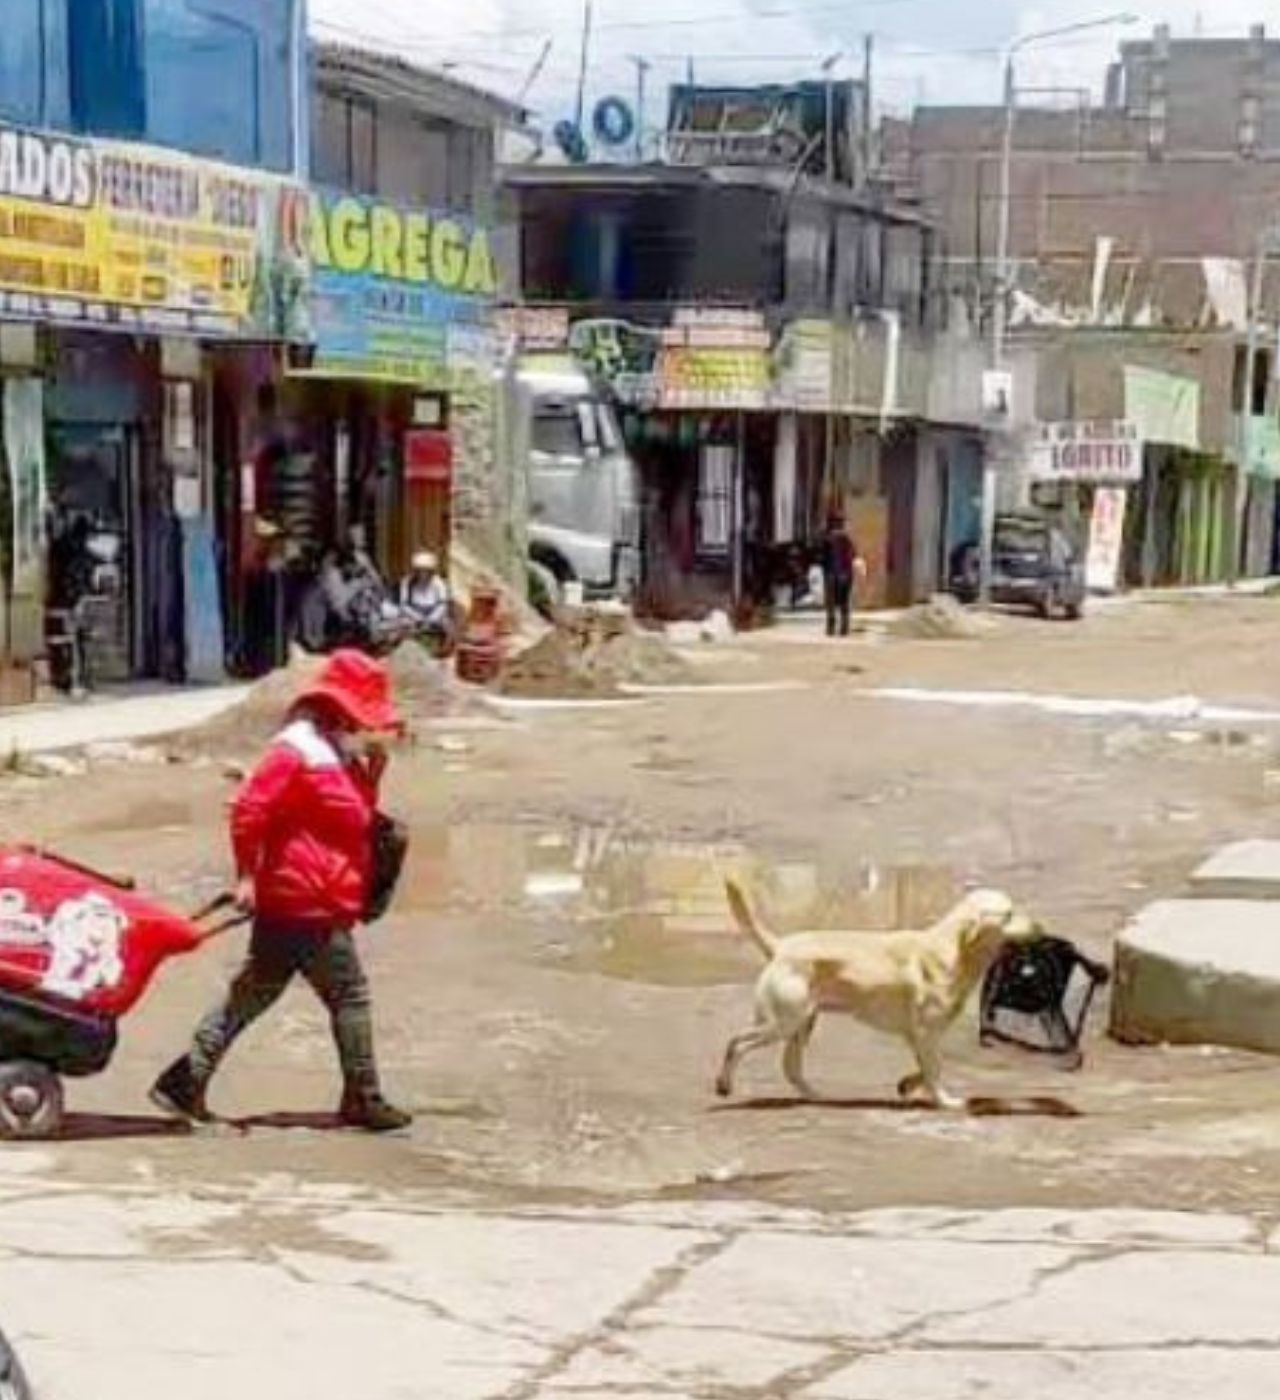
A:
303, 832
841, 566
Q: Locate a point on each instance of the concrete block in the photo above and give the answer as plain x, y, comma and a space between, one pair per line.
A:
1245, 870
1200, 972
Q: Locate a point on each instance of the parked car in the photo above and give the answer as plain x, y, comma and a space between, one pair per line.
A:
1035, 564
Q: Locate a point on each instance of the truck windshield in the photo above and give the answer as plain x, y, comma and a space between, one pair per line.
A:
557, 430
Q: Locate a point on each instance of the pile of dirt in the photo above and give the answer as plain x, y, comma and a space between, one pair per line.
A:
941, 619
256, 719
425, 689
591, 655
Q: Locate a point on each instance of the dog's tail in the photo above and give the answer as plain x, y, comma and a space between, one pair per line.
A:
748, 921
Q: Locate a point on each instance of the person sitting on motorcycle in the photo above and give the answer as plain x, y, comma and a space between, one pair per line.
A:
357, 596
424, 598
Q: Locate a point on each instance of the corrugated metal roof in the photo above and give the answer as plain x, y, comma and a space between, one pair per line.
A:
385, 77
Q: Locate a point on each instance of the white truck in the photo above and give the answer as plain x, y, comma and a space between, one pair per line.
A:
584, 516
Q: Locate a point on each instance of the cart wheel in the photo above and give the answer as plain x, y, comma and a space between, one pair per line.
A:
13, 1380
31, 1100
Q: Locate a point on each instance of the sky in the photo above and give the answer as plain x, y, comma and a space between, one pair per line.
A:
930, 51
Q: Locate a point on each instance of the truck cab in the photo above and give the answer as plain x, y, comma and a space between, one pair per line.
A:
584, 519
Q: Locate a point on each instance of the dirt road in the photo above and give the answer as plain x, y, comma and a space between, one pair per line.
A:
555, 987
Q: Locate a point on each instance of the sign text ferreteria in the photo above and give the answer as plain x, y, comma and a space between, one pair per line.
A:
1098, 451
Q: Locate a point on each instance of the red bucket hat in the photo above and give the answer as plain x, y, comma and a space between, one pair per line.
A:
359, 688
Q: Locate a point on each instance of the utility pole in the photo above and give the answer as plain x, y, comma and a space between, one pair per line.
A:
1267, 241
580, 108
868, 108
828, 69
642, 73
1004, 275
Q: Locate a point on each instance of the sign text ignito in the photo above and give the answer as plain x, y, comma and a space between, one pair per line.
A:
1101, 451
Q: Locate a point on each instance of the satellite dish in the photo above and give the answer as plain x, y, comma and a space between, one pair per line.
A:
613, 122
568, 136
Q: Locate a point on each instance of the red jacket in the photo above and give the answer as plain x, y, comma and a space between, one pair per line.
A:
301, 828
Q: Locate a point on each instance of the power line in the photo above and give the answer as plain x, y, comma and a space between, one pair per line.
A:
802, 12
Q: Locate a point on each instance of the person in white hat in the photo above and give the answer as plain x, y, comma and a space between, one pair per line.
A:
424, 597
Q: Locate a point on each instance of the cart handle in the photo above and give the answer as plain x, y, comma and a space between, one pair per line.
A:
119, 882
220, 904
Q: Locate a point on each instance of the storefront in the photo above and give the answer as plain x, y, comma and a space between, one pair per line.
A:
125, 272
403, 308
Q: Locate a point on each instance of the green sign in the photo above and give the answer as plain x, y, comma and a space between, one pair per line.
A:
1164, 408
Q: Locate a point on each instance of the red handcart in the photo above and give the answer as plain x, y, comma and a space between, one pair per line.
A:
78, 950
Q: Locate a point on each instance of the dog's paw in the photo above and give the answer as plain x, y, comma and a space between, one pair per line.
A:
909, 1087
947, 1101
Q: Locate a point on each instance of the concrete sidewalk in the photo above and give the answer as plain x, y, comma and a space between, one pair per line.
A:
286, 1293
112, 719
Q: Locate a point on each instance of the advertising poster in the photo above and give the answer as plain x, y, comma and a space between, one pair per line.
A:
102, 233
1109, 452
400, 295
1106, 539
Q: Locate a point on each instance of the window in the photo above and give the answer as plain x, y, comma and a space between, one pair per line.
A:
1261, 380
462, 171
214, 77
871, 265
715, 499
330, 157
808, 262
557, 430
105, 68
23, 60
362, 143
203, 81
904, 272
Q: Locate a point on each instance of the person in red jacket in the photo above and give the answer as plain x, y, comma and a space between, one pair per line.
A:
301, 829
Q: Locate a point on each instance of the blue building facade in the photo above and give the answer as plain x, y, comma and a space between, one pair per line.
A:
154, 283
225, 79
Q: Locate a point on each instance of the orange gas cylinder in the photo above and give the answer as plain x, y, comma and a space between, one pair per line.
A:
479, 656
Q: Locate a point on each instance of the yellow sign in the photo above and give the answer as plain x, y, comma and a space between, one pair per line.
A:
363, 237
697, 378
114, 234
399, 295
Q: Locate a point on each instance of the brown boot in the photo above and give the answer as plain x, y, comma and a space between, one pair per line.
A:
370, 1111
180, 1094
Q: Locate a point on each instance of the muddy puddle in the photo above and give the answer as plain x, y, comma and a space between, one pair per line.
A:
651, 912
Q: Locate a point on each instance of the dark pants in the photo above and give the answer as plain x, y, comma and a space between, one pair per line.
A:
839, 593
330, 964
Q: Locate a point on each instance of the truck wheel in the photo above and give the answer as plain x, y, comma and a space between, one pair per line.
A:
545, 590
31, 1100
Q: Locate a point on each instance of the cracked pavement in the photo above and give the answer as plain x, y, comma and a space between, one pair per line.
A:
573, 1216
292, 1290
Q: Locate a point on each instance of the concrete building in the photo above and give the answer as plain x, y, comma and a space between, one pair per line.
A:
396, 402
1135, 232
152, 255
772, 336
